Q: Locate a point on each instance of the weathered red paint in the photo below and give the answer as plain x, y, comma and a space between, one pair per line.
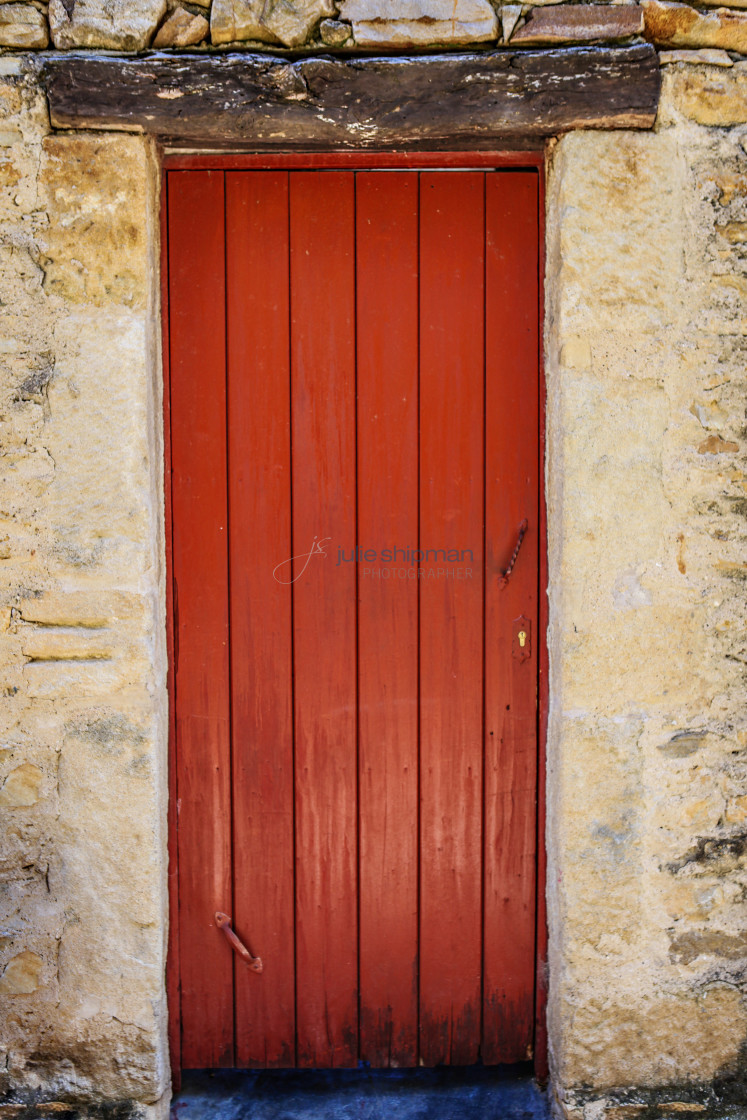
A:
511, 498
200, 560
223, 922
387, 444
356, 160
302, 447
259, 495
322, 262
452, 324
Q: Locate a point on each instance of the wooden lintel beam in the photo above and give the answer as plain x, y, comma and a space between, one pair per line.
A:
468, 100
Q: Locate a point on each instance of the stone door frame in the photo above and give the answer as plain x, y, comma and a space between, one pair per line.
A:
535, 159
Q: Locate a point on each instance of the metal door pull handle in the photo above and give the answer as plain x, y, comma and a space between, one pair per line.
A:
503, 578
224, 922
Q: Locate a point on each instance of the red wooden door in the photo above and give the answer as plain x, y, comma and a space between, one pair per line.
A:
354, 432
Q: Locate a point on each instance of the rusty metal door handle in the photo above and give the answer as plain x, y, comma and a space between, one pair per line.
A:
504, 577
224, 922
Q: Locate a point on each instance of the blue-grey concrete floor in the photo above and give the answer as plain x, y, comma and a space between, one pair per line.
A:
432, 1094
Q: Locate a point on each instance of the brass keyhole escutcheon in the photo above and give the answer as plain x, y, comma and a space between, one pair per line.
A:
521, 641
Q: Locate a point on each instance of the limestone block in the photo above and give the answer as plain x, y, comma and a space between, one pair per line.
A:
636, 277
705, 57
679, 25
21, 788
181, 29
335, 32
58, 644
667, 1040
114, 24
84, 871
98, 679
21, 975
289, 22
22, 26
736, 810
406, 23
687, 947
711, 98
580, 23
93, 609
510, 16
97, 254
720, 3
647, 821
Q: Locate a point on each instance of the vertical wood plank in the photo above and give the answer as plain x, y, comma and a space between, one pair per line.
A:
200, 531
512, 493
261, 614
322, 223
451, 614
387, 349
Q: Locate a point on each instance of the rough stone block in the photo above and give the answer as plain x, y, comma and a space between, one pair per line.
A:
23, 26
679, 25
21, 975
95, 608
289, 23
720, 3
102, 23
510, 16
98, 253
82, 478
580, 23
21, 787
57, 644
705, 57
709, 97
407, 23
181, 29
335, 32
676, 1038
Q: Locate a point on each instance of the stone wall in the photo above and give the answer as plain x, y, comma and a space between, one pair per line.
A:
647, 484
83, 746
351, 25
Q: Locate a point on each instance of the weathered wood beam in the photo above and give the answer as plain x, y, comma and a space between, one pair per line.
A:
470, 100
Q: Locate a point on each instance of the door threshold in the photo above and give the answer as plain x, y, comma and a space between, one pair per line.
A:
445, 1093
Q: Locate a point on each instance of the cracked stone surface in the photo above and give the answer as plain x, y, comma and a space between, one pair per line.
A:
406, 23
100, 23
289, 22
181, 29
23, 26
82, 732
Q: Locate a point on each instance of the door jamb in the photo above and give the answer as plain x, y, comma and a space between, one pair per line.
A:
354, 161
